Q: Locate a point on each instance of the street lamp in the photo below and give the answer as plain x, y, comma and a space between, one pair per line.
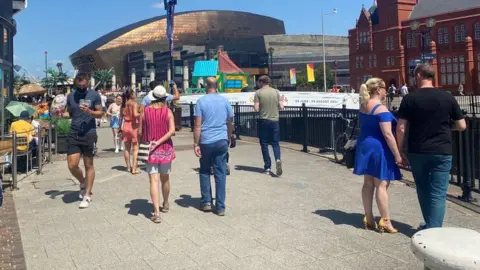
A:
271, 50
335, 11
415, 25
59, 66
170, 8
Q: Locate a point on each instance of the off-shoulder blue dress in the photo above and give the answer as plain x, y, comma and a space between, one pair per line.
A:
373, 156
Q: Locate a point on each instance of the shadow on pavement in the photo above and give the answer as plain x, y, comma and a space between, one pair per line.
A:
356, 220
69, 196
188, 201
120, 168
109, 150
140, 207
249, 169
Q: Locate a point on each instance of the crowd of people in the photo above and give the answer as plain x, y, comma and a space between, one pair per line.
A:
150, 125
380, 148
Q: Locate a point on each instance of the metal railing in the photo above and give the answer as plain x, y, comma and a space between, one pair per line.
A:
307, 126
43, 153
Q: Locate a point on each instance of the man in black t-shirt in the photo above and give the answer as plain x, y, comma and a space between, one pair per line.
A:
428, 113
84, 106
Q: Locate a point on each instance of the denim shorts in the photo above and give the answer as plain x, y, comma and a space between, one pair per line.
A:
159, 168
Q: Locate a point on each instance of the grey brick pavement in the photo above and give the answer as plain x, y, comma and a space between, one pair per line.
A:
310, 218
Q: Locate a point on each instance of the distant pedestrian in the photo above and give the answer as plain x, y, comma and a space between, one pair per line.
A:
114, 113
460, 90
104, 105
391, 93
84, 107
212, 134
377, 155
404, 90
129, 118
158, 128
428, 113
268, 103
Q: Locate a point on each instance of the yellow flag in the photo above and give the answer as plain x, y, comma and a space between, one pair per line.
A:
310, 73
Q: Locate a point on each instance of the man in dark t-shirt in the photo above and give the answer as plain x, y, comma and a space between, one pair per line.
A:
84, 106
428, 113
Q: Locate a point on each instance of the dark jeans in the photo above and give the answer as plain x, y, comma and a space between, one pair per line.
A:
214, 154
432, 175
269, 133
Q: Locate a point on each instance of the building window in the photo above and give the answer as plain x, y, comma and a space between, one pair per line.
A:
443, 36
357, 61
235, 84
361, 61
477, 31
460, 33
374, 61
392, 61
368, 36
461, 68
388, 60
443, 72
409, 40
364, 37
414, 40
392, 45
387, 44
370, 61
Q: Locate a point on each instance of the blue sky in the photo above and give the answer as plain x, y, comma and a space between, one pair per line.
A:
62, 27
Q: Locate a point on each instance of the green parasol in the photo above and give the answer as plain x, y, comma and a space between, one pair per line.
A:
16, 107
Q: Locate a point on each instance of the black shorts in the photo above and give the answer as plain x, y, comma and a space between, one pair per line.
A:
83, 145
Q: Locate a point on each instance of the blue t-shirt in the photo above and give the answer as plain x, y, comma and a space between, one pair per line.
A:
82, 122
146, 101
214, 110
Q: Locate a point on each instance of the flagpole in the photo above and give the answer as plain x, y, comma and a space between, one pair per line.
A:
170, 8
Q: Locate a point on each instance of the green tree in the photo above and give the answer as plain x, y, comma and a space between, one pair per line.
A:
302, 80
53, 79
103, 77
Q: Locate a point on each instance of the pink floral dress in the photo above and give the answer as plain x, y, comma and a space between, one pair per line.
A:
155, 126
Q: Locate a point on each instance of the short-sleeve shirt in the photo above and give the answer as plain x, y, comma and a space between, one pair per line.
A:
429, 112
215, 111
104, 100
146, 101
269, 100
82, 122
23, 129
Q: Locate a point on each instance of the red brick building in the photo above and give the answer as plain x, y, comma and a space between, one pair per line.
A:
393, 35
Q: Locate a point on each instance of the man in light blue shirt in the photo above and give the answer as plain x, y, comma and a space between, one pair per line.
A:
212, 133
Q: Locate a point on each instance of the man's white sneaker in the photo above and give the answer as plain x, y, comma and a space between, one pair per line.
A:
116, 150
85, 203
268, 171
81, 192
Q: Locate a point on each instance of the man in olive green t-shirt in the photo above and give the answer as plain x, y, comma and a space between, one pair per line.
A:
267, 103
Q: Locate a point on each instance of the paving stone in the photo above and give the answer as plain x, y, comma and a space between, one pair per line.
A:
310, 218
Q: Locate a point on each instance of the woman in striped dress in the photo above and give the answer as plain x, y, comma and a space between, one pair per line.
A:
157, 129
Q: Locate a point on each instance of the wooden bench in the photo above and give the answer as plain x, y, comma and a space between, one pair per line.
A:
447, 248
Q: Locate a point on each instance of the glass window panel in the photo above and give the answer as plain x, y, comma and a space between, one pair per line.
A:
455, 78
444, 79
449, 79
462, 78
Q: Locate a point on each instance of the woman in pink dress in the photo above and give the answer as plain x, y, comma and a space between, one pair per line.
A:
157, 129
129, 116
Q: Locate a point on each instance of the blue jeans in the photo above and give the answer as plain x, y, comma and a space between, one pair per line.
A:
269, 133
432, 175
214, 154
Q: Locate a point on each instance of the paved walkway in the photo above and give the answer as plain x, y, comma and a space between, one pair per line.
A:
310, 218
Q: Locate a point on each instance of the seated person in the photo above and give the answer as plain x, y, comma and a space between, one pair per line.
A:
23, 128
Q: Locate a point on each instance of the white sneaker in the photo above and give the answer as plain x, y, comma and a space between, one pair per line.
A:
116, 150
81, 192
279, 168
268, 171
85, 203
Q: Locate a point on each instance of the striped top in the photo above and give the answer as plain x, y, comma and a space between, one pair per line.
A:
155, 126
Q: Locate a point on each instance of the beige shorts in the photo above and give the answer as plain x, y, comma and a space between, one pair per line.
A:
158, 168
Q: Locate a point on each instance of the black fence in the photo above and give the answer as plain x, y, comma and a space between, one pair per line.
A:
308, 126
470, 104
466, 159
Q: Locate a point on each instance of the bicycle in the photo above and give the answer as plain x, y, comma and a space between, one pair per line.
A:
340, 147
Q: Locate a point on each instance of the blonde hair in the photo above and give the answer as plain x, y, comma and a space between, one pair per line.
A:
370, 88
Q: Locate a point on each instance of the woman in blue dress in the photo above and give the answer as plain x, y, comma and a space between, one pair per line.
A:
377, 154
